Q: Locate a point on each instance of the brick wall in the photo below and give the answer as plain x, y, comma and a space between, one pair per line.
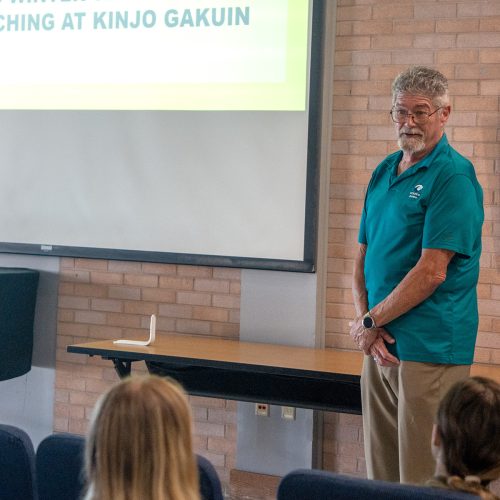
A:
101, 299
375, 40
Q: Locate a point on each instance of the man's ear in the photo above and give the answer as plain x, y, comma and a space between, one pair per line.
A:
445, 114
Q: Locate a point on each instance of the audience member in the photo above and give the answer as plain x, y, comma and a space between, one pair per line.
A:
139, 446
466, 437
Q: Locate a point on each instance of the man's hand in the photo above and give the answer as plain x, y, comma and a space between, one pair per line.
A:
362, 337
380, 354
365, 338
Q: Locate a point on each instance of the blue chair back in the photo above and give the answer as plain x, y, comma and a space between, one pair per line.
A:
59, 464
306, 484
210, 487
17, 465
60, 470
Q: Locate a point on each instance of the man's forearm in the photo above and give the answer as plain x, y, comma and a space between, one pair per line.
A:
419, 284
359, 293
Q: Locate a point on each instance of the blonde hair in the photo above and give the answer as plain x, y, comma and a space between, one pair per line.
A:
468, 423
139, 446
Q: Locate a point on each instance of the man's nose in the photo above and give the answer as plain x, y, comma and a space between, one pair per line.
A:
409, 117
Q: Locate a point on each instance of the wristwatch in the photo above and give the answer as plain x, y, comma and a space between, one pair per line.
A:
368, 322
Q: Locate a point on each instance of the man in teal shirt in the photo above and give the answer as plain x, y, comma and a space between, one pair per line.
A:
414, 282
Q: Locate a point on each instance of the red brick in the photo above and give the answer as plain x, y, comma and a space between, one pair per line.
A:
435, 11
124, 320
142, 280
490, 87
67, 262
140, 307
124, 292
349, 133
478, 9
226, 273
398, 42
227, 301
195, 271
352, 42
103, 332
217, 286
373, 27
68, 302
369, 57
91, 264
393, 11
106, 278
158, 295
160, 269
76, 276
473, 103
176, 311
457, 25
106, 305
354, 13
350, 103
229, 330
118, 266
208, 429
92, 317
210, 314
194, 298
463, 56
350, 73
88, 290
343, 58
462, 87
414, 26
192, 326
489, 56
343, 28
476, 134
176, 282
431, 41
482, 40
416, 56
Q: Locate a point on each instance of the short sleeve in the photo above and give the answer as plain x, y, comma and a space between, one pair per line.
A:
453, 217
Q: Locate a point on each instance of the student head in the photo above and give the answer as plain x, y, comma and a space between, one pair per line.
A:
139, 443
466, 436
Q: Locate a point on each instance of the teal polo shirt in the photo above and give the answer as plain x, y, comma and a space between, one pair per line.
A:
436, 203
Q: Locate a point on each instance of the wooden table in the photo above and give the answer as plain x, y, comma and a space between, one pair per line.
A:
322, 379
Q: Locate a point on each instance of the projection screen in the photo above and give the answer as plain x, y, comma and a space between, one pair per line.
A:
161, 130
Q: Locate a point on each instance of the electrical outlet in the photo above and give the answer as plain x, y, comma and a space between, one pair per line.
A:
262, 409
288, 412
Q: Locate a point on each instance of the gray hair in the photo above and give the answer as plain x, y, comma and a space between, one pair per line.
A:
420, 80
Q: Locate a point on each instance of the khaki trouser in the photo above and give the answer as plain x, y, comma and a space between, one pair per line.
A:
399, 408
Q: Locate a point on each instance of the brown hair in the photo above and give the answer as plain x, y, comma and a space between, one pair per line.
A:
468, 423
139, 445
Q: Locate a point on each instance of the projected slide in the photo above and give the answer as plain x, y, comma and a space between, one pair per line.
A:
153, 54
179, 131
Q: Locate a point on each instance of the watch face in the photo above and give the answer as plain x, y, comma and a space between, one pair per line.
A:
367, 322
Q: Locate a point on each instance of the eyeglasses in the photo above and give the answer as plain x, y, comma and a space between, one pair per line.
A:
419, 117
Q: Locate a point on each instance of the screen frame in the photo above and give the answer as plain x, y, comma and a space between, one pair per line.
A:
307, 264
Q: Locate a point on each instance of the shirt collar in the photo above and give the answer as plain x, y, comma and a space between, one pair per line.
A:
424, 162
438, 148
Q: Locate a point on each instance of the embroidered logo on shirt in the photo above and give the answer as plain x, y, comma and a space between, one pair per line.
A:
415, 195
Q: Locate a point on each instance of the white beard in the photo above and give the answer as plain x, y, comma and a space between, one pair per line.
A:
411, 145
